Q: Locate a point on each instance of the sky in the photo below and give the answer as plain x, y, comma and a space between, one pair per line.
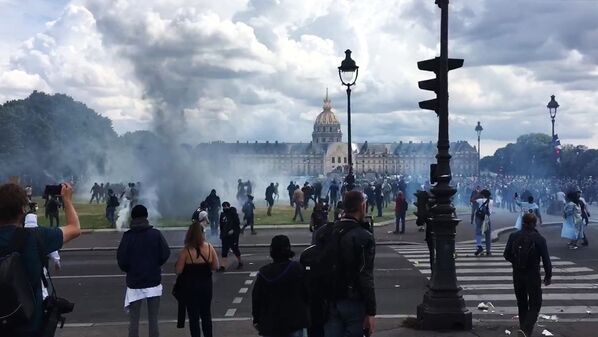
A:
252, 70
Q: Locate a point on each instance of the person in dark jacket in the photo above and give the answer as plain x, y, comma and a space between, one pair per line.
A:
270, 198
279, 297
528, 244
353, 312
141, 254
213, 202
230, 229
111, 205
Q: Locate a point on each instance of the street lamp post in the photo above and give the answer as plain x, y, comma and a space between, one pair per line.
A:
348, 72
479, 130
552, 106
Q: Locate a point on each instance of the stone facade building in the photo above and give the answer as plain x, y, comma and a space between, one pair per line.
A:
326, 153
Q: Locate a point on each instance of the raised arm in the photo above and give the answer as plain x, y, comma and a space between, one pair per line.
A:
72, 229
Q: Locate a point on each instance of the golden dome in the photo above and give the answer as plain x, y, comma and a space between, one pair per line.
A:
327, 117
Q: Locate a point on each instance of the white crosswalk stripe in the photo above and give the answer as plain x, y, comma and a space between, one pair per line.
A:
489, 279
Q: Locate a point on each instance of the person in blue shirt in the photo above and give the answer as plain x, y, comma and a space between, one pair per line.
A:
13, 205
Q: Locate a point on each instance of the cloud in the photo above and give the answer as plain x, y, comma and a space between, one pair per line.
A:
234, 64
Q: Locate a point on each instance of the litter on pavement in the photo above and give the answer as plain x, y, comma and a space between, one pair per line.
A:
547, 333
507, 332
483, 306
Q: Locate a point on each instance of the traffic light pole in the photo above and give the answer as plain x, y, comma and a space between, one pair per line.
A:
443, 306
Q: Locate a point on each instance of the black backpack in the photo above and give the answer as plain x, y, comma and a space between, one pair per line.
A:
323, 264
113, 201
320, 218
18, 300
483, 210
522, 251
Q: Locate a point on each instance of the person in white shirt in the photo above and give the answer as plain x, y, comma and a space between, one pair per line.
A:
528, 207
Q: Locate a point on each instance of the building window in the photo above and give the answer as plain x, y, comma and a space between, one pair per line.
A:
333, 160
345, 160
339, 160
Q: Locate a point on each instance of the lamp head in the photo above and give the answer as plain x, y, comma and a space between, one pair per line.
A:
348, 70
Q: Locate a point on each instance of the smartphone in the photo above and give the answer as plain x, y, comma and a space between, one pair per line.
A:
52, 190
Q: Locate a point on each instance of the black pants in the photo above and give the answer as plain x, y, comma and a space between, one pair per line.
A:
199, 307
528, 290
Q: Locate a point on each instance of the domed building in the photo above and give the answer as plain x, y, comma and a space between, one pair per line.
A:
327, 153
327, 129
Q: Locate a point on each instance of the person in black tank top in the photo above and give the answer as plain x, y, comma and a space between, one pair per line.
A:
194, 268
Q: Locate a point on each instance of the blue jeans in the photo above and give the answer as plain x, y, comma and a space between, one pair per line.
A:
298, 333
400, 222
486, 235
346, 319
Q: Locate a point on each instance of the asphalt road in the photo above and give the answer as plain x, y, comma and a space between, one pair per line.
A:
93, 281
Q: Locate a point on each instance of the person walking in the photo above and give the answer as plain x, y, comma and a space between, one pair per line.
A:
482, 223
352, 311
270, 198
528, 207
585, 216
193, 289
298, 199
401, 206
141, 254
230, 229
573, 221
291, 190
379, 196
249, 214
213, 202
472, 201
319, 217
333, 193
201, 216
307, 192
524, 250
111, 204
279, 298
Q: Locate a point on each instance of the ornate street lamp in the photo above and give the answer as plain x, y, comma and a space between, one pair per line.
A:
552, 106
348, 72
479, 130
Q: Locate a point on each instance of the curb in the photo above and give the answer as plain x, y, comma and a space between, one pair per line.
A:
256, 245
501, 231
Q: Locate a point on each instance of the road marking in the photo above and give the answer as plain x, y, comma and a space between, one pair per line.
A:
248, 282
243, 290
545, 297
490, 264
546, 310
66, 277
509, 286
253, 274
238, 300
510, 278
230, 312
510, 270
471, 257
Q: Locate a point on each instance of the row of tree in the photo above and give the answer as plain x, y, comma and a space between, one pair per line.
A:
535, 155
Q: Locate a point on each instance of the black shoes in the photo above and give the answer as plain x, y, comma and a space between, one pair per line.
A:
585, 242
221, 269
240, 265
478, 251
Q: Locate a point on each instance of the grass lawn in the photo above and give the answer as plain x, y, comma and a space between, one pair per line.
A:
93, 216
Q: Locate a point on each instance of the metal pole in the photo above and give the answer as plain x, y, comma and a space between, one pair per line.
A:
479, 154
552, 129
350, 179
443, 306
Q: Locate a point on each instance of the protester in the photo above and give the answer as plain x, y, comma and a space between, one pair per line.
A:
298, 200
401, 206
279, 296
31, 222
193, 289
353, 309
201, 215
141, 254
52, 210
585, 216
270, 198
528, 207
333, 193
249, 215
472, 200
483, 223
291, 190
573, 222
307, 192
319, 217
111, 204
213, 202
13, 238
29, 192
524, 250
230, 229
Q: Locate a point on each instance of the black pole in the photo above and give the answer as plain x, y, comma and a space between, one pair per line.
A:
478, 155
443, 306
552, 129
349, 180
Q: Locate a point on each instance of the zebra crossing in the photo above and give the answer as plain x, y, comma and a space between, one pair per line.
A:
573, 293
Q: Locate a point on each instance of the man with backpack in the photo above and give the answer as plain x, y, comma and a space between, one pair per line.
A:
482, 223
249, 215
22, 259
341, 274
524, 250
230, 229
213, 202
